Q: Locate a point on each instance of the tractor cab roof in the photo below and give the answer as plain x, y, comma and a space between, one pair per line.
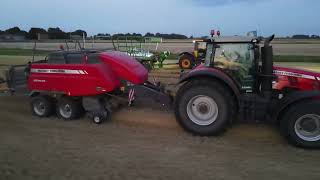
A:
234, 39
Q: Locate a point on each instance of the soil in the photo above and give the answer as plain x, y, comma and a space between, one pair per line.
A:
141, 143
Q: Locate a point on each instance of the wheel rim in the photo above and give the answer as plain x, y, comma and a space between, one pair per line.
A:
65, 110
39, 108
307, 127
202, 110
97, 119
186, 63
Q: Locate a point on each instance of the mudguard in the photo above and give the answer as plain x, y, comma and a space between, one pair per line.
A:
202, 72
290, 99
186, 53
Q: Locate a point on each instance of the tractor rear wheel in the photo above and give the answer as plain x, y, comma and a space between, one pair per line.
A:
204, 107
69, 109
186, 61
301, 124
42, 106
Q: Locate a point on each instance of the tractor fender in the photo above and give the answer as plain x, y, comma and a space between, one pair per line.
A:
186, 53
204, 72
291, 99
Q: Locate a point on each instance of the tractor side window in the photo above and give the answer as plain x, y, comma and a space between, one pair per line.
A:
74, 59
94, 59
234, 56
56, 58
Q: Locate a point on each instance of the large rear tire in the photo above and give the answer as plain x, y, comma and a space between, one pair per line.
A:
204, 107
301, 124
186, 61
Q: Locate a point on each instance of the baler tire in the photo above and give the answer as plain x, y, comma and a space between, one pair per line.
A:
100, 117
46, 103
291, 118
186, 61
72, 107
213, 91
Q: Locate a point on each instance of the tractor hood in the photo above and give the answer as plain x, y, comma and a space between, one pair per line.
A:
298, 79
284, 71
294, 72
125, 67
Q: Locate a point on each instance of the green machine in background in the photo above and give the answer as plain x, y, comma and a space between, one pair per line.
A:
144, 49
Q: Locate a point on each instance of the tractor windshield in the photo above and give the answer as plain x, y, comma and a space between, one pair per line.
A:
235, 58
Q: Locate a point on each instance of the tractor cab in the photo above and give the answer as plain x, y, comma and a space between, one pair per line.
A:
199, 50
236, 56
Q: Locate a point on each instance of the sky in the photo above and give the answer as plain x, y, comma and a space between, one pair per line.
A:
189, 17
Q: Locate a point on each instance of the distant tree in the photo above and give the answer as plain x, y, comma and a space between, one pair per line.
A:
137, 34
57, 33
191, 37
23, 33
300, 36
315, 36
33, 32
118, 35
148, 34
14, 30
1, 32
79, 32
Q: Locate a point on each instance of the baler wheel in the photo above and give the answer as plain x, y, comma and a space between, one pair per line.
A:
42, 106
100, 117
68, 108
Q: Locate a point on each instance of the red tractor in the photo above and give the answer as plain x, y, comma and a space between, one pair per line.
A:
239, 79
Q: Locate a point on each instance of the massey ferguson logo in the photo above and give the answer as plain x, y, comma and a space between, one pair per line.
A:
58, 71
292, 74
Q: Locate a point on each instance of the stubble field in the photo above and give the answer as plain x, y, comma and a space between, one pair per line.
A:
144, 142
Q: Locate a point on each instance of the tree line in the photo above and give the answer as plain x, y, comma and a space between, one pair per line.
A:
303, 36
53, 33
57, 33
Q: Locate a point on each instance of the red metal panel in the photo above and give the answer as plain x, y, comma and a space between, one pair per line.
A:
125, 67
73, 79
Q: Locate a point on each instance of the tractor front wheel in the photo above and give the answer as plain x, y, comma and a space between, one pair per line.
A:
204, 107
186, 61
301, 124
